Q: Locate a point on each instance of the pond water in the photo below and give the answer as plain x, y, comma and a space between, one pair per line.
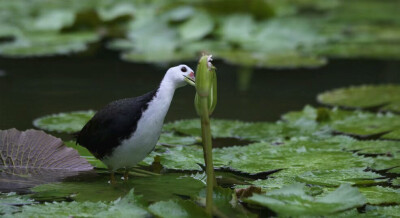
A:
30, 88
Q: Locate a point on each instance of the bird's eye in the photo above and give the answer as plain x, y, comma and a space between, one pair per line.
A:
183, 69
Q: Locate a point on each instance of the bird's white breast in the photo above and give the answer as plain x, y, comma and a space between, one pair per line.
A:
143, 140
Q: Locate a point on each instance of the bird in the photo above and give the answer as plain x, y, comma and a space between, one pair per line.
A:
125, 131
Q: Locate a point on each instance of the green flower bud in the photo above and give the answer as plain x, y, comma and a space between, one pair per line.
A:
206, 85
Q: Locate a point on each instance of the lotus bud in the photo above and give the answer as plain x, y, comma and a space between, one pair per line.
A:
206, 84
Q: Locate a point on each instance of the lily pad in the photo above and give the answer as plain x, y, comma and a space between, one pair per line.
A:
262, 157
396, 181
393, 135
377, 195
64, 122
48, 44
293, 201
355, 123
94, 188
366, 96
171, 139
388, 211
177, 208
335, 177
390, 161
257, 131
128, 206
11, 202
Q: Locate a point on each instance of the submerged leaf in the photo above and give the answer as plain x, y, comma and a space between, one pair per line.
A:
64, 122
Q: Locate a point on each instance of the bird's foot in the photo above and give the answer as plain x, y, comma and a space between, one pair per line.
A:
112, 179
126, 175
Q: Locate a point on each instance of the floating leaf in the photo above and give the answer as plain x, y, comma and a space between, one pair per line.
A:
293, 201
42, 44
128, 206
337, 177
11, 202
381, 195
96, 187
388, 211
198, 26
366, 96
177, 208
64, 122
396, 181
393, 135
259, 131
354, 123
390, 161
262, 157
174, 140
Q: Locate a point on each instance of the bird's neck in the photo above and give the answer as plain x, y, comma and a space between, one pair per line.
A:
166, 90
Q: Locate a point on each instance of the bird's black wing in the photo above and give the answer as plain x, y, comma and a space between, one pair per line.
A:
112, 124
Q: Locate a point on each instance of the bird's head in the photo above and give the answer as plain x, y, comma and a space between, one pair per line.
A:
181, 75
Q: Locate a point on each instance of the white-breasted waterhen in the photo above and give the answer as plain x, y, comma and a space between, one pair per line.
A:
125, 131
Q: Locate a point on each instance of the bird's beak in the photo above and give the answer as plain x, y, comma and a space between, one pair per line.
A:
190, 79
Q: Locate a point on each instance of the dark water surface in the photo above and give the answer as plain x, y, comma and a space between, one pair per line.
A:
30, 88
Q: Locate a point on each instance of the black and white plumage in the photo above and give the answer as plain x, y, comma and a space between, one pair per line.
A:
125, 131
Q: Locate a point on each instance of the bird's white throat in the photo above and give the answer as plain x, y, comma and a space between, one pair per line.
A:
135, 148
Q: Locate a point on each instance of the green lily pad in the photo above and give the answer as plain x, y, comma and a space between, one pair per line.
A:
387, 162
276, 181
367, 96
257, 131
367, 124
64, 122
10, 202
393, 135
261, 157
95, 188
177, 208
128, 206
396, 181
374, 147
388, 211
335, 177
171, 139
355, 123
198, 26
293, 201
377, 195
42, 44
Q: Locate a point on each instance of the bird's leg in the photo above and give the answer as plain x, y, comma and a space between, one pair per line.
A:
126, 174
113, 181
